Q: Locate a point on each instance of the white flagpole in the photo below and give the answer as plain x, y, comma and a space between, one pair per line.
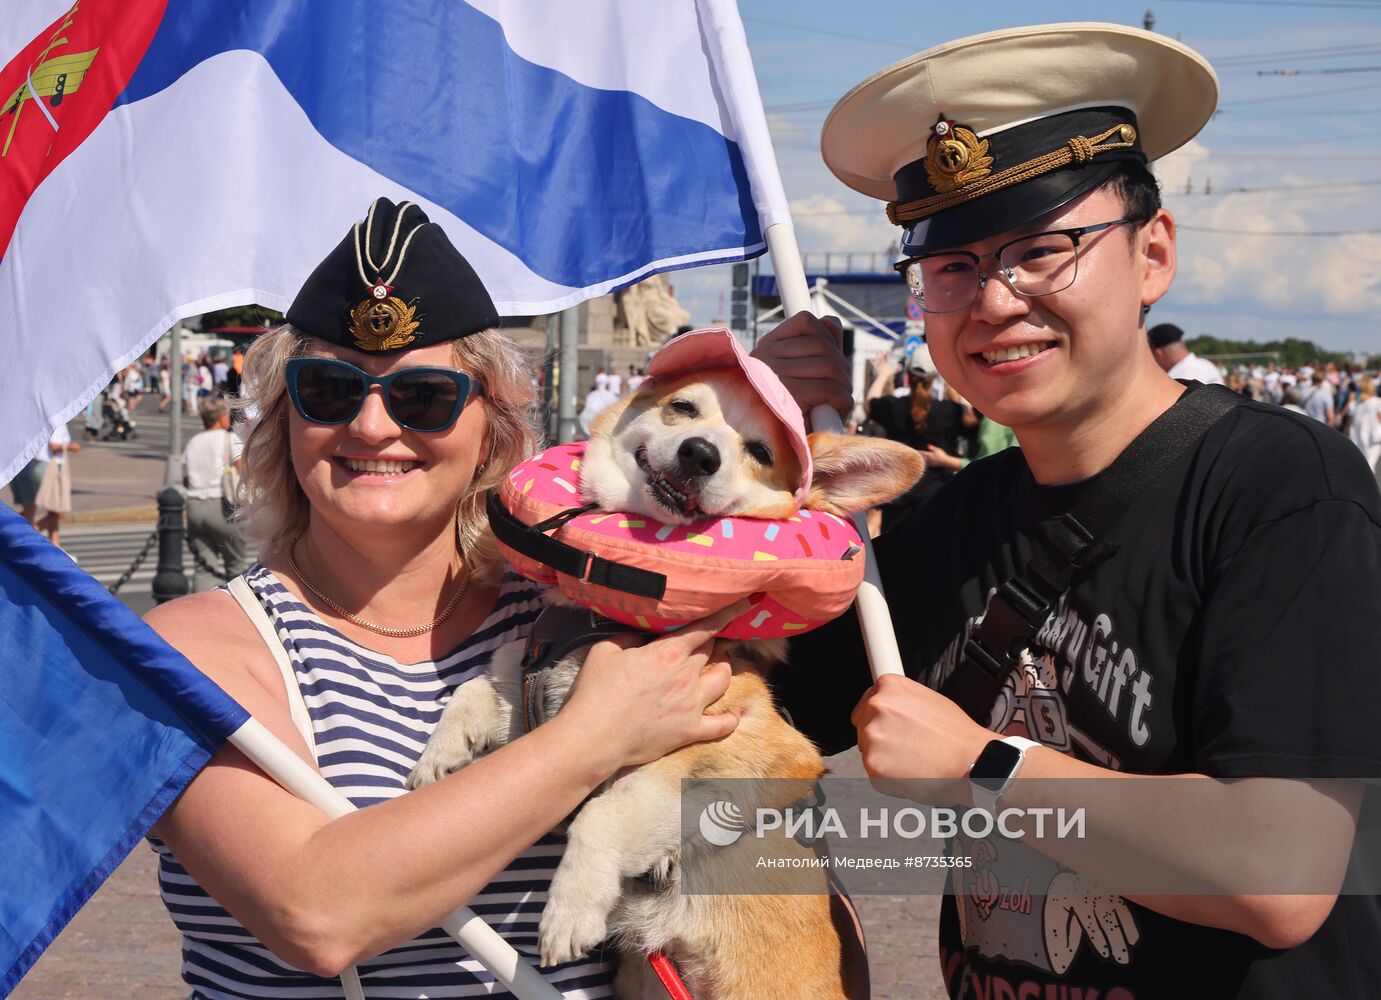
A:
474, 935
879, 639
728, 50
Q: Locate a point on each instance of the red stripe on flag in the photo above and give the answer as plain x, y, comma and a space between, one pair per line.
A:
59, 88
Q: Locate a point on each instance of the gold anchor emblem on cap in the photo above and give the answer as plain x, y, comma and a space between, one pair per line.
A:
383, 324
954, 156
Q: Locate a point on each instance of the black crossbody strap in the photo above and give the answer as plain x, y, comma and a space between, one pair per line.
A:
1072, 544
532, 541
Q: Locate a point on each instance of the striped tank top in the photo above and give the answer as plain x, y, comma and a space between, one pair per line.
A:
371, 717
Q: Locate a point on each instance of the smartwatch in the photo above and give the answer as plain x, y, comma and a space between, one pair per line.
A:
995, 768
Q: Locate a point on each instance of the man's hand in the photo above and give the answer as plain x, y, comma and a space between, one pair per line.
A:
807, 354
906, 731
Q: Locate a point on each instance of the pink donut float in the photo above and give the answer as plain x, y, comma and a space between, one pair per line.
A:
800, 572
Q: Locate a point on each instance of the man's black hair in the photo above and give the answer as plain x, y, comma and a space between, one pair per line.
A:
1139, 191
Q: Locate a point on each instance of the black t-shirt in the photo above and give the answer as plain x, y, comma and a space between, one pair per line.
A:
1234, 633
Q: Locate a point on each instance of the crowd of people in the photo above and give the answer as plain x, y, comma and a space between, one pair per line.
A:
42, 491
1343, 397
609, 387
907, 401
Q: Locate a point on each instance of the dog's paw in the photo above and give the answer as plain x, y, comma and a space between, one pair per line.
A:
471, 725
570, 930
663, 874
440, 758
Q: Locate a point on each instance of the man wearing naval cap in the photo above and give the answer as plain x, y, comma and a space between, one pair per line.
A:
1203, 638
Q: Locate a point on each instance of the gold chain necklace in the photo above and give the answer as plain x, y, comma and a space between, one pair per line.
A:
396, 633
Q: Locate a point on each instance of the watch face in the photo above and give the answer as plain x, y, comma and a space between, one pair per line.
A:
994, 765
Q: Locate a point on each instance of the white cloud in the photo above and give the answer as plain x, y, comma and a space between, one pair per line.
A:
825, 222
1347, 273
1291, 280
1181, 166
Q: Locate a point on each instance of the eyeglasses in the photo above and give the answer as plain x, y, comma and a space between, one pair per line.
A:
950, 280
329, 391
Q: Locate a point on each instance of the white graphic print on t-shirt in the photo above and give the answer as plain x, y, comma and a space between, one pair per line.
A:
1014, 903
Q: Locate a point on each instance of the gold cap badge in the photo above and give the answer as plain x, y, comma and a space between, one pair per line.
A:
954, 156
383, 324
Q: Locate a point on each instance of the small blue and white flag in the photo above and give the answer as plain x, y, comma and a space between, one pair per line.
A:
102, 725
163, 158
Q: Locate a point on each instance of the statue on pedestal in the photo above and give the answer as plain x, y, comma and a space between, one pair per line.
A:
650, 312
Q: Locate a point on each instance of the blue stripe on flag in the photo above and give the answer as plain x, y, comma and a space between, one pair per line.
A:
102, 724
428, 93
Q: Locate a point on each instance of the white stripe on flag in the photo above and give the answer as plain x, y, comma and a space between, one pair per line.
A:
652, 49
23, 22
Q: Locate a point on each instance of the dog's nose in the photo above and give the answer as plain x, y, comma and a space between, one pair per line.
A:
697, 457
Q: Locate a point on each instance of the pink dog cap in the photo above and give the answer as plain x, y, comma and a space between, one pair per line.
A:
699, 350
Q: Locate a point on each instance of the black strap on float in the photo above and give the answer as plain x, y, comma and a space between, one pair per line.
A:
533, 541
1069, 546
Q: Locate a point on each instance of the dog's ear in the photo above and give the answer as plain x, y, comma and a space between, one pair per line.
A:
853, 473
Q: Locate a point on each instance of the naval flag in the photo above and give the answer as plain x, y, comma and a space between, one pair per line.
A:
162, 158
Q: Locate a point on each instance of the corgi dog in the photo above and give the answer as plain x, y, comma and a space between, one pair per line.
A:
698, 444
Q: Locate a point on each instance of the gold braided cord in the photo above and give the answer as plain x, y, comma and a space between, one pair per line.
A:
396, 633
1078, 150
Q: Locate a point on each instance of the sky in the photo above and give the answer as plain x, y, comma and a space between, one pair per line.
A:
1278, 199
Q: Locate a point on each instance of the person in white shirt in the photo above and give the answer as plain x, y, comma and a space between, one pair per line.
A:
1365, 428
54, 497
210, 533
1318, 400
599, 400
133, 381
1178, 361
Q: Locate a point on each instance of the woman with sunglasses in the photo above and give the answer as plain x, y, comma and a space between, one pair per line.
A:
385, 411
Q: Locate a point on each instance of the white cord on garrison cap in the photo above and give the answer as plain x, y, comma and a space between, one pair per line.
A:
393, 241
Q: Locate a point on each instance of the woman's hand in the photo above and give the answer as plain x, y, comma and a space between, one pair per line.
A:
641, 700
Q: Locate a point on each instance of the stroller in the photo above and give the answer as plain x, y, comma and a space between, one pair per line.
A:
115, 418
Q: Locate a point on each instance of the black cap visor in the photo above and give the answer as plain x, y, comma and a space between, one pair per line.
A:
1004, 210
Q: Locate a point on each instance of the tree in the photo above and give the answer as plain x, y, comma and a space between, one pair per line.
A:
1293, 352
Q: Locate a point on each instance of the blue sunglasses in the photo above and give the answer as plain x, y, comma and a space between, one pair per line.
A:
330, 391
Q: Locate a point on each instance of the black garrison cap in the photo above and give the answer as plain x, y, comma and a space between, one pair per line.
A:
394, 283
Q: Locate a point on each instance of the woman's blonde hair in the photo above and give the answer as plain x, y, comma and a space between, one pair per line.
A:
271, 502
